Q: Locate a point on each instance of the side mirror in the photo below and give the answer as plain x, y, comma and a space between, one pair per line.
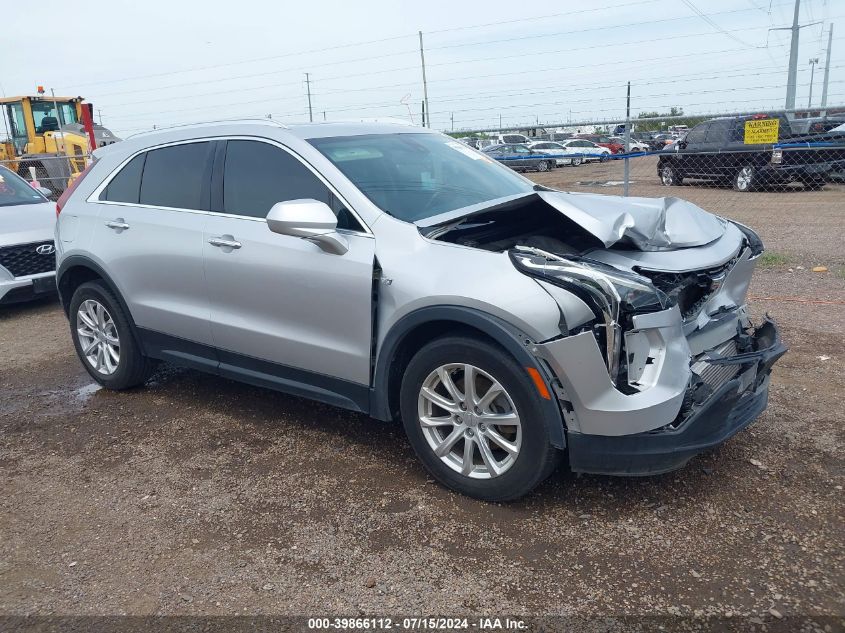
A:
309, 219
44, 191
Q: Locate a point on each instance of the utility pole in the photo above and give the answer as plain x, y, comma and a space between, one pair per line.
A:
627, 136
792, 76
100, 115
500, 122
427, 110
827, 69
452, 117
308, 88
813, 62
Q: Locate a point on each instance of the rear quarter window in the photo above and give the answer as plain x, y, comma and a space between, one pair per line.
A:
126, 184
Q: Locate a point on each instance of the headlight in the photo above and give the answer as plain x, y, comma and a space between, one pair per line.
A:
609, 292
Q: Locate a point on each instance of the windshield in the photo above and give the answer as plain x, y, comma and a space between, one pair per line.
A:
14, 190
417, 176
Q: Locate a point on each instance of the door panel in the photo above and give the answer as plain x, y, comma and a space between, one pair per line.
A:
283, 299
157, 263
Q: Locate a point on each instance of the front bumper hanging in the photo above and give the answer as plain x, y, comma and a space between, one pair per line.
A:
731, 408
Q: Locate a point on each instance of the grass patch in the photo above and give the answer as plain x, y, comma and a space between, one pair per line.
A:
773, 260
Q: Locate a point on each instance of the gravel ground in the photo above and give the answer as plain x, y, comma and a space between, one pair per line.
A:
197, 495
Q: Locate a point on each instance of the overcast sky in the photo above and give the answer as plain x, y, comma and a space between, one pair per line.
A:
156, 62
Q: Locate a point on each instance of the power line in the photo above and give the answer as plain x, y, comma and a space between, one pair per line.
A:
716, 26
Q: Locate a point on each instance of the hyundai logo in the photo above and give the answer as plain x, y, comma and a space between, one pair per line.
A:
45, 249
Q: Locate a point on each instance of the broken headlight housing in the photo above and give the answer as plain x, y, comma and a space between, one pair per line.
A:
613, 295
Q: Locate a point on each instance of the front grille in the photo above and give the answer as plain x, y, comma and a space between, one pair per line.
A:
714, 376
23, 259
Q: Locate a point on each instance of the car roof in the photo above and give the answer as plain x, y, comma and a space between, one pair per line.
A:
259, 127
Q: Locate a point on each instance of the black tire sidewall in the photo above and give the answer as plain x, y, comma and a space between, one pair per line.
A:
532, 464
130, 356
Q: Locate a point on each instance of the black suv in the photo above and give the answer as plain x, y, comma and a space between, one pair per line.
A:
717, 150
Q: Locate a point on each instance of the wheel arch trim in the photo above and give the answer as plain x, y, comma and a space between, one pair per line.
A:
506, 335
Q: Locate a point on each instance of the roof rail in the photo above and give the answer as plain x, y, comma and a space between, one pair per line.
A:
264, 121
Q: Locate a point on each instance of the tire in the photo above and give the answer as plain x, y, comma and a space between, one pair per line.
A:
669, 176
604, 158
577, 161
745, 179
132, 368
514, 472
543, 166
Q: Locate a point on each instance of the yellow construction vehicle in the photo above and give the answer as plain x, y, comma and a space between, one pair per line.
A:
52, 136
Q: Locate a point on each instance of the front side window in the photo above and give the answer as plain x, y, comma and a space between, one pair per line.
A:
173, 176
257, 175
413, 176
14, 190
718, 132
696, 134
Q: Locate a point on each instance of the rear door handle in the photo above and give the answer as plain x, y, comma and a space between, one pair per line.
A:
219, 241
117, 224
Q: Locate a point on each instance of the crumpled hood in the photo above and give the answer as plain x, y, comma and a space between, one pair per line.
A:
649, 224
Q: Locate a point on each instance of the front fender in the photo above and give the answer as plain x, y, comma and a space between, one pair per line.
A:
516, 343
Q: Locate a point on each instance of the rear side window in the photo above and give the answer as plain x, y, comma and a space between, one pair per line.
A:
173, 176
126, 185
257, 175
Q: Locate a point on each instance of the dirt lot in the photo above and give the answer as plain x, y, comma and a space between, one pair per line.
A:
196, 495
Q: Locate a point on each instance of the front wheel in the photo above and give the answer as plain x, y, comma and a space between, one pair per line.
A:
577, 161
473, 417
543, 166
745, 178
669, 176
103, 338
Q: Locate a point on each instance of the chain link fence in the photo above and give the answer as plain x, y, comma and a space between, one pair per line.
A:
50, 171
714, 160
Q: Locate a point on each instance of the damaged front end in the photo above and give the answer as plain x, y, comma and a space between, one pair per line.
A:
656, 359
661, 373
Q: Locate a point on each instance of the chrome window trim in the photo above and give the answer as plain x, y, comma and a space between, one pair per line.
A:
94, 196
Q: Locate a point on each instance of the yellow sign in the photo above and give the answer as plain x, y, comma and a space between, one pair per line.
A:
761, 131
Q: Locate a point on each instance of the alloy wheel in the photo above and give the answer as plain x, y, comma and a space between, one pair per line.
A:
744, 177
469, 420
667, 176
98, 337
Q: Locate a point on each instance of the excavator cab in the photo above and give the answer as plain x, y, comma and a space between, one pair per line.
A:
48, 135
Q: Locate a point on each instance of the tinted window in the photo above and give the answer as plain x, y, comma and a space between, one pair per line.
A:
126, 185
258, 175
173, 176
719, 131
696, 134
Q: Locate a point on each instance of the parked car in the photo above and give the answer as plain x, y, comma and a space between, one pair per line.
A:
715, 150
393, 271
584, 151
509, 138
633, 144
27, 252
519, 157
550, 148
604, 141
660, 141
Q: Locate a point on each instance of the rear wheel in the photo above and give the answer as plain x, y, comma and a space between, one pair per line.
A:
745, 179
543, 165
103, 338
577, 161
472, 416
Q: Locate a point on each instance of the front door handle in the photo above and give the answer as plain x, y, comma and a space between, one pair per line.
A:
221, 241
117, 224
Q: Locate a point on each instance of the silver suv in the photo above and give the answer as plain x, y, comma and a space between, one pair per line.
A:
395, 271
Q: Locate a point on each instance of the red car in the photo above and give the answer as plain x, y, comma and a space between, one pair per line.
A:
604, 141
